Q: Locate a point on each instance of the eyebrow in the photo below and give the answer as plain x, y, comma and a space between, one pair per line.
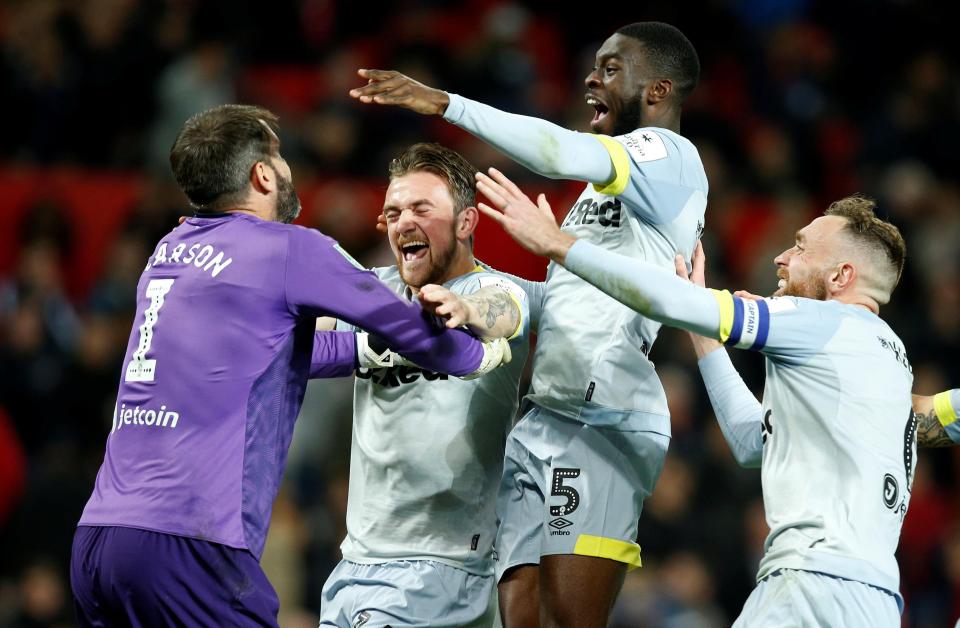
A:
416, 203
608, 56
800, 237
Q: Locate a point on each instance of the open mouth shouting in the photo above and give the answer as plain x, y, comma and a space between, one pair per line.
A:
600, 109
413, 250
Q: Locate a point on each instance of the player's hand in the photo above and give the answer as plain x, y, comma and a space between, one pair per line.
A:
443, 303
743, 294
387, 87
532, 226
496, 353
697, 276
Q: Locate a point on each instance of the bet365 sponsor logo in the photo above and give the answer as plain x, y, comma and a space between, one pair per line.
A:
589, 211
399, 375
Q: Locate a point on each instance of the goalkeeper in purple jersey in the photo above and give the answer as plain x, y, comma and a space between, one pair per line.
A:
223, 343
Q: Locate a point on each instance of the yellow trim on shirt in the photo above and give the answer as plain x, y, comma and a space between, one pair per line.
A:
725, 301
516, 301
614, 549
621, 167
944, 409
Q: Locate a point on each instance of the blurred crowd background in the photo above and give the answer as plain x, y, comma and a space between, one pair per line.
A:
800, 102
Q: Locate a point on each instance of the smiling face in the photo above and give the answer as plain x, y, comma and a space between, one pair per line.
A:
804, 268
423, 229
616, 86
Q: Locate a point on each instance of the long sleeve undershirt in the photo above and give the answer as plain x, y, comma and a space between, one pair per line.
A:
541, 146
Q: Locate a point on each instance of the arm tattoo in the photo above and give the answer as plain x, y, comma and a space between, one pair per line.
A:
930, 433
497, 306
493, 308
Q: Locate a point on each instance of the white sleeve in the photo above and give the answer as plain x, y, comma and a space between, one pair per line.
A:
738, 412
650, 290
541, 146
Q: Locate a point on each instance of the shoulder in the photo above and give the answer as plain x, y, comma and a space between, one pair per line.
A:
389, 275
484, 276
649, 144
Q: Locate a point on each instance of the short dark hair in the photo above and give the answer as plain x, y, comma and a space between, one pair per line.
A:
215, 150
449, 165
670, 53
867, 230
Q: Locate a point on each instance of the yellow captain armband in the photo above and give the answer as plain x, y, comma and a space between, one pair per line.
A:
725, 303
942, 405
621, 167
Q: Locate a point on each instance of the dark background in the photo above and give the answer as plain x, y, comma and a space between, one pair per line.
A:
801, 102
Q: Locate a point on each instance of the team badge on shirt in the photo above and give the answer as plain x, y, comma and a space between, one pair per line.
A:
644, 145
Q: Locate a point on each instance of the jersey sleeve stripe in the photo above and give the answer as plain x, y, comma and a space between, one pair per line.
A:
944, 409
737, 330
764, 325
516, 301
621, 167
751, 324
725, 303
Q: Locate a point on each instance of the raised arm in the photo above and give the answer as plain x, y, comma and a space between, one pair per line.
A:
654, 292
541, 146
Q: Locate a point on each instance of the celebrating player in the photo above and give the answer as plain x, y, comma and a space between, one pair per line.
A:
216, 366
838, 445
428, 449
581, 462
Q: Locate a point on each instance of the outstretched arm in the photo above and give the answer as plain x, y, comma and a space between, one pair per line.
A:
648, 289
541, 146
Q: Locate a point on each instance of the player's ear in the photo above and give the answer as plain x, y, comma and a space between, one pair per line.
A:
467, 222
659, 90
843, 276
263, 177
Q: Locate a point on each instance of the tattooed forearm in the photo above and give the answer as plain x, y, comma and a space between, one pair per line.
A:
494, 313
930, 433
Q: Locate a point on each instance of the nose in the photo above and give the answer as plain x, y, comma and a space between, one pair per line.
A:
593, 80
405, 221
782, 259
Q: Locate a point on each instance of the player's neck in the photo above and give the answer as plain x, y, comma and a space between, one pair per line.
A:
263, 213
461, 264
860, 300
662, 119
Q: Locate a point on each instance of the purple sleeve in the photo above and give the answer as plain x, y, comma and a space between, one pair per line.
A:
320, 281
334, 354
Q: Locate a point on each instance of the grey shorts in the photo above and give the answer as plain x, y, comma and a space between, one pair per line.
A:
573, 488
406, 593
808, 599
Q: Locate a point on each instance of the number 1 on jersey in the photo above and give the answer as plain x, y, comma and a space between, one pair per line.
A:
140, 369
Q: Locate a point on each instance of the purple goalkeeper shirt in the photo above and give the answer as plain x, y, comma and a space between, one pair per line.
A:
218, 359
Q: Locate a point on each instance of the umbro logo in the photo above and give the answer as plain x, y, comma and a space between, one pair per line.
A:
558, 526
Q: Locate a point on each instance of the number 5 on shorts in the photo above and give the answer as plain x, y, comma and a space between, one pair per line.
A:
559, 489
